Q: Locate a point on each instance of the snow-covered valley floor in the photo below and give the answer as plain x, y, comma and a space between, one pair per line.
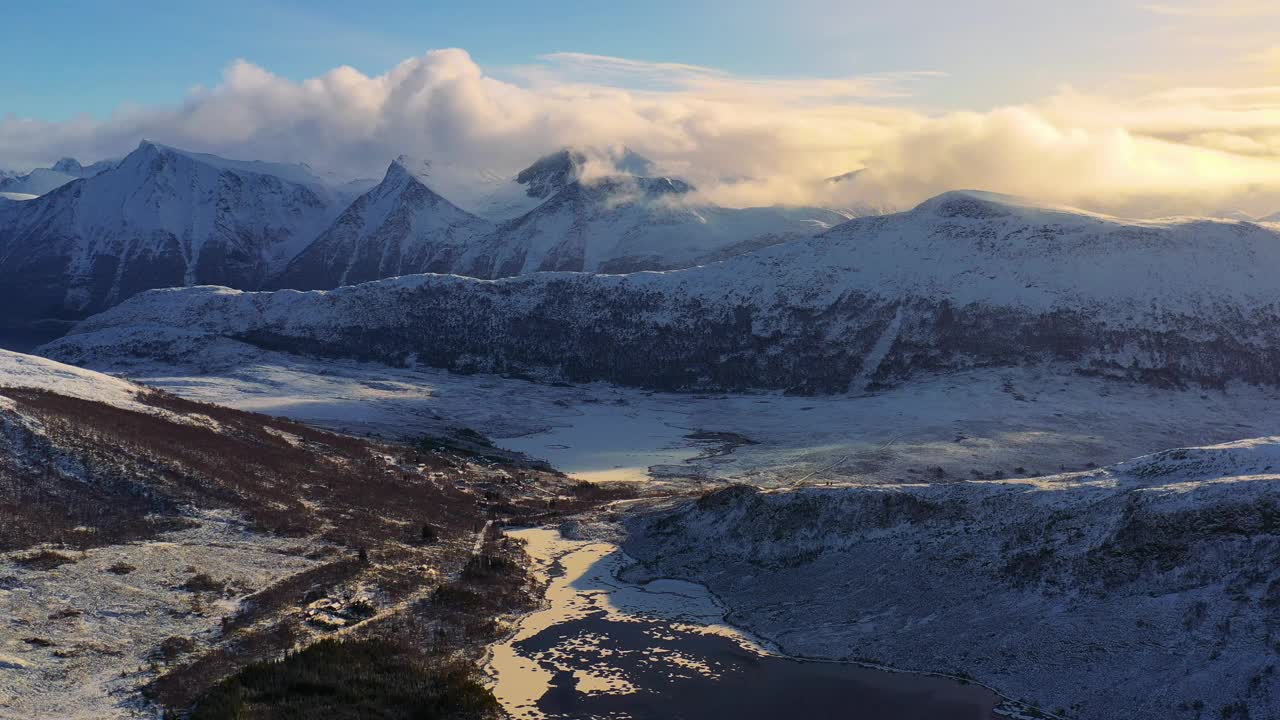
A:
984, 423
990, 523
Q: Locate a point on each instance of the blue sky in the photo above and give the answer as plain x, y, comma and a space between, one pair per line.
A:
68, 57
1128, 106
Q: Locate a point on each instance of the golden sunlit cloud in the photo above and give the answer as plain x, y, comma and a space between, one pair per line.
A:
740, 140
1217, 8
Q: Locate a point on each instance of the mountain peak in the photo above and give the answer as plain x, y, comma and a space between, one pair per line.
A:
850, 176
967, 204
985, 205
410, 166
68, 165
551, 173
148, 151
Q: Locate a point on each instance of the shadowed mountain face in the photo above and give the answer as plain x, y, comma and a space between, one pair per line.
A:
163, 217
43, 180
159, 218
965, 280
399, 227
552, 173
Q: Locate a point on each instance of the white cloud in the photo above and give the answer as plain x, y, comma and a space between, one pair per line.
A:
743, 140
1217, 8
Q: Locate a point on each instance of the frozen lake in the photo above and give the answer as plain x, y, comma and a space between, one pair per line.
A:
1004, 423
614, 443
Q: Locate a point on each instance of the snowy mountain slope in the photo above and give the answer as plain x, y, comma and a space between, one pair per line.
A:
964, 280
1144, 590
160, 217
399, 227
18, 370
615, 223
43, 180
626, 223
605, 211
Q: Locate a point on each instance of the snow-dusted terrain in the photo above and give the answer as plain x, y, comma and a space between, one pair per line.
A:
160, 217
988, 422
19, 370
965, 280
913, 502
610, 223
1145, 590
98, 630
152, 546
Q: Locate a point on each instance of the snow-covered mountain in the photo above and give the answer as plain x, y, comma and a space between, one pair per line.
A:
166, 217
161, 217
606, 211
498, 197
611, 223
966, 279
43, 180
399, 227
626, 223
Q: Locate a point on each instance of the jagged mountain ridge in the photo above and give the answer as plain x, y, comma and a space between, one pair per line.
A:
612, 223
43, 180
399, 227
161, 217
626, 223
165, 217
964, 280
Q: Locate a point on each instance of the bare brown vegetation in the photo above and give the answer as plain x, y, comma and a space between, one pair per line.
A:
398, 521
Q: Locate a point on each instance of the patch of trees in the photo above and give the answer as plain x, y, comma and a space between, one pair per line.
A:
366, 680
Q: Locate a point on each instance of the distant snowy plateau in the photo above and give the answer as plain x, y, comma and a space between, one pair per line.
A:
1027, 445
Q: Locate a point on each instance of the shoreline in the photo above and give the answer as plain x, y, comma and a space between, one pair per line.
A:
742, 634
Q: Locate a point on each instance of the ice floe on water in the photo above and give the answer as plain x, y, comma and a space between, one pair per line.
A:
583, 585
605, 647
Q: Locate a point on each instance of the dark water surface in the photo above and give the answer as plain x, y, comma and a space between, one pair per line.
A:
729, 681
24, 340
604, 647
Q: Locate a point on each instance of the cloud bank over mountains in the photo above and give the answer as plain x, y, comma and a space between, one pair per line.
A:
741, 140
